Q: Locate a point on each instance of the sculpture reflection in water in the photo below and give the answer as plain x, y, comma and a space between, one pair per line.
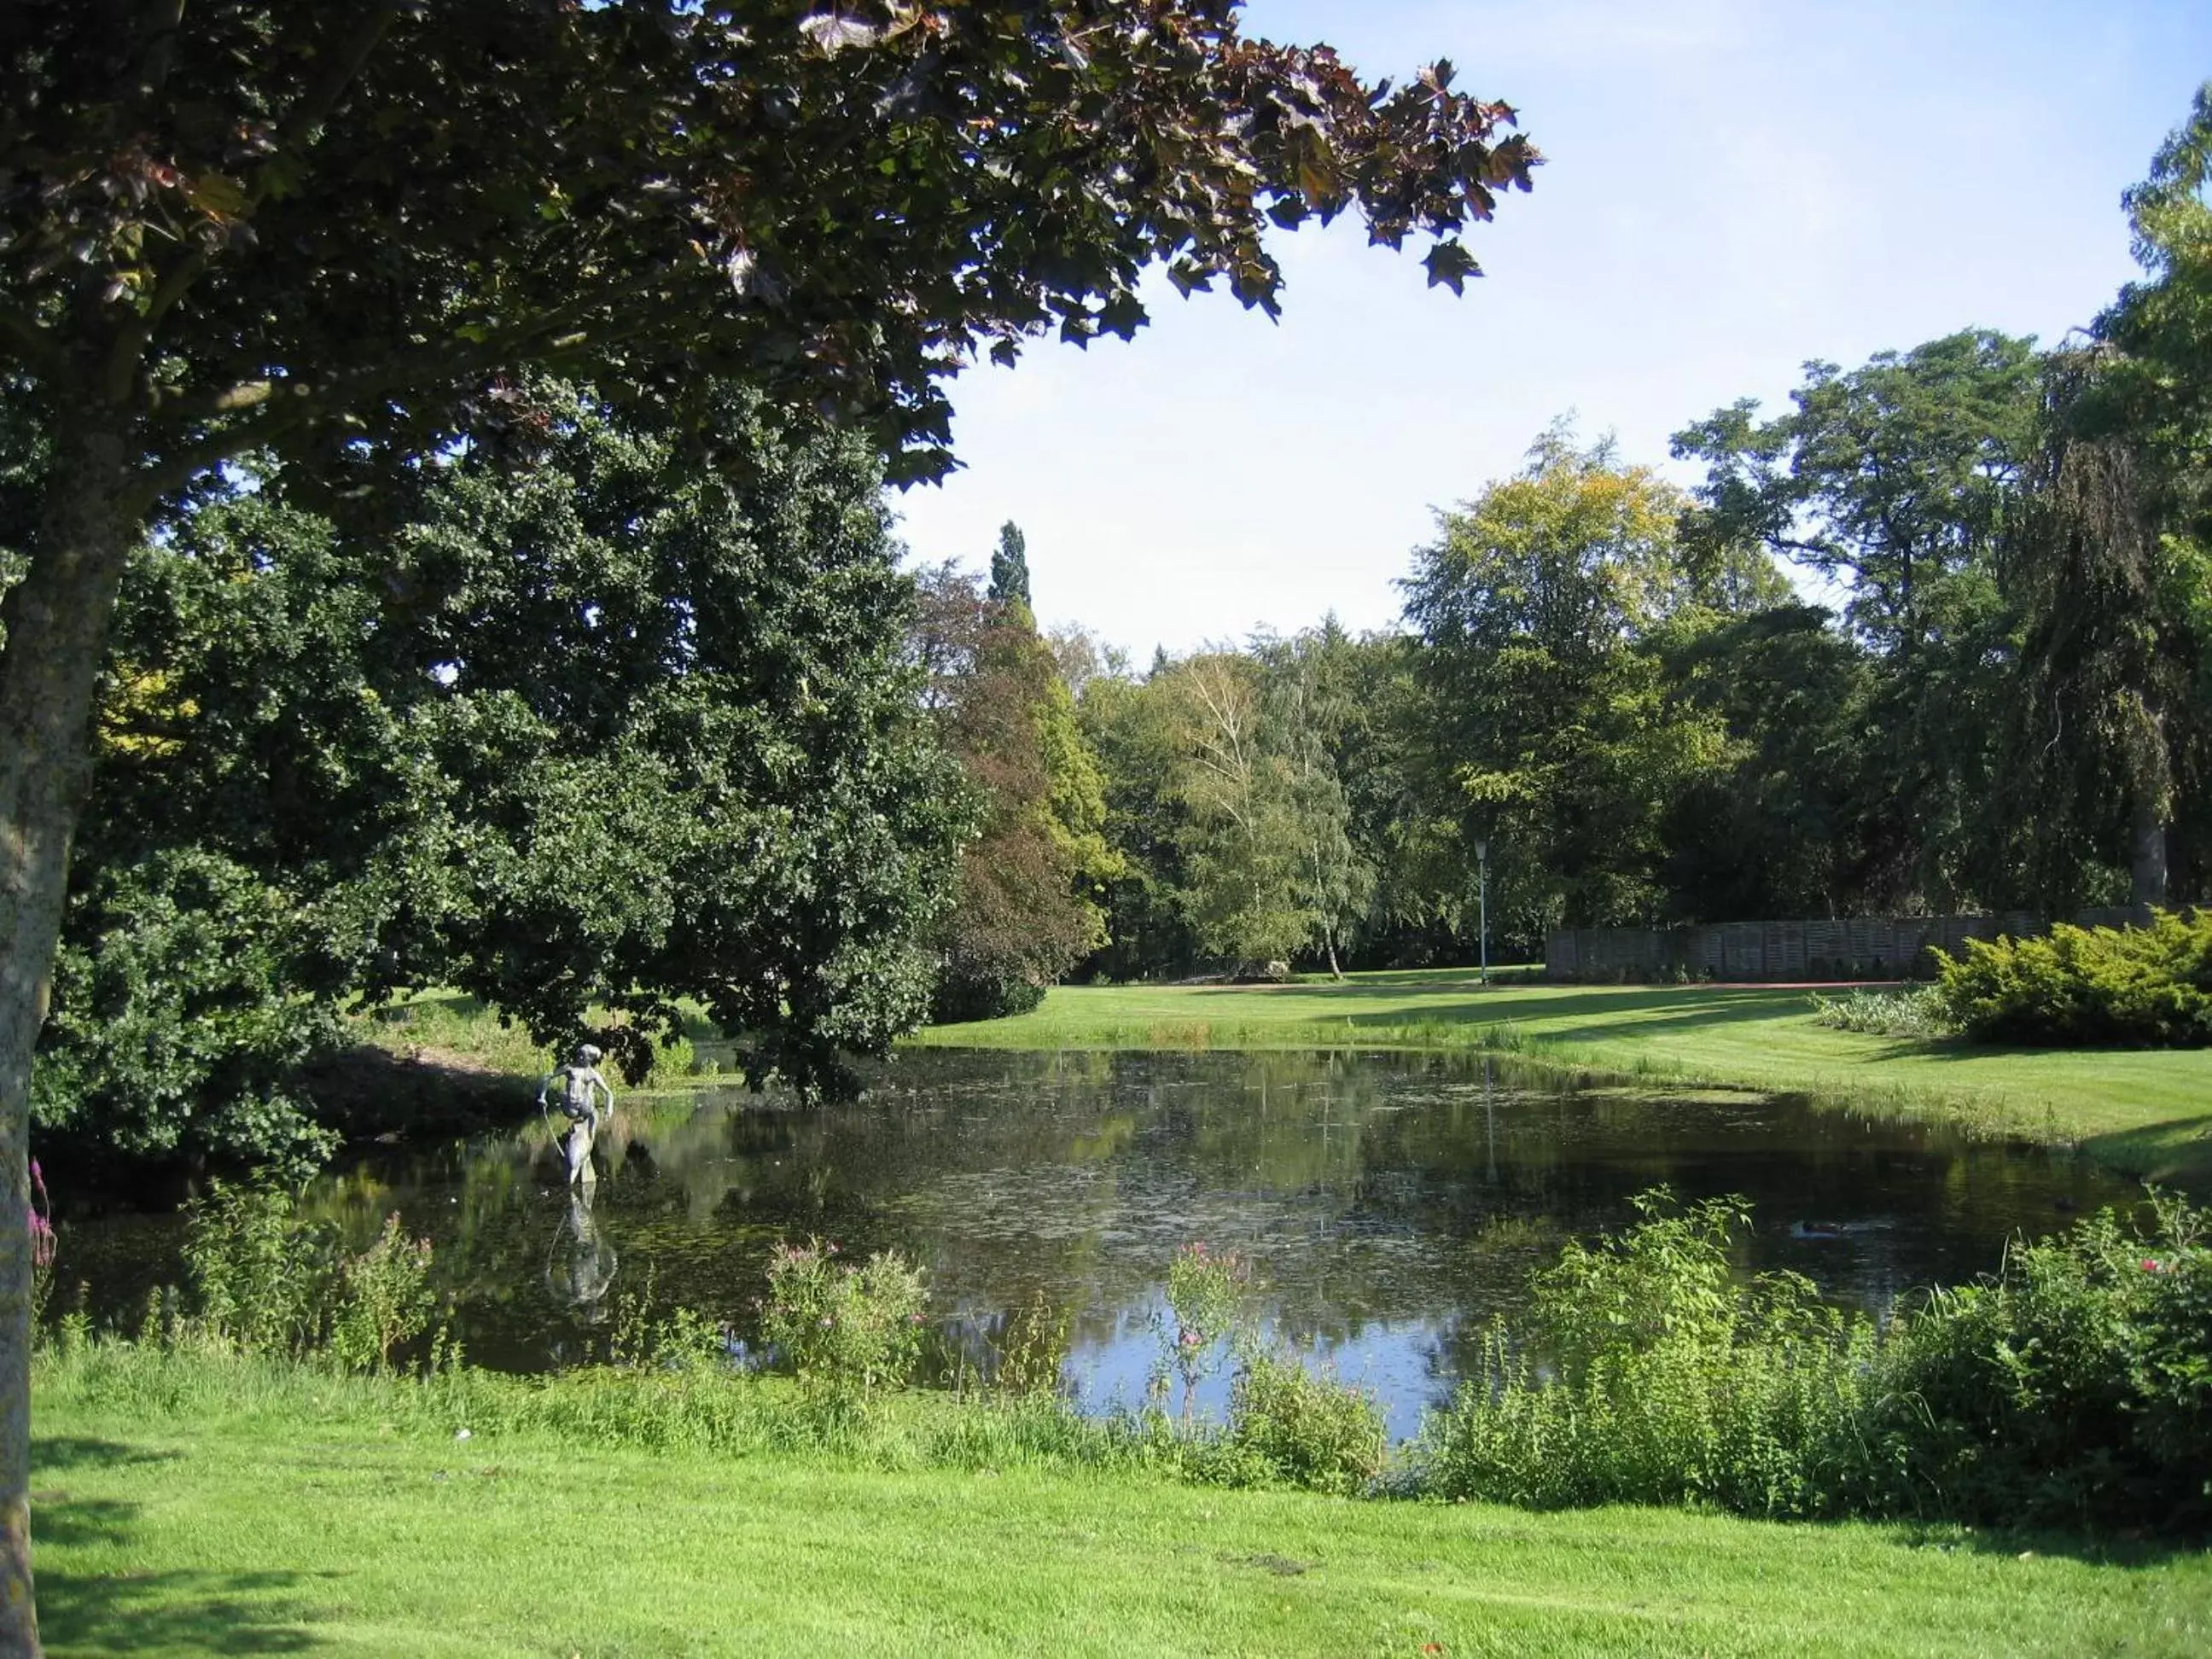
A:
580, 1262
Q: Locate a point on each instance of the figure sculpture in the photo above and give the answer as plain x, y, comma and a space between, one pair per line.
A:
579, 1080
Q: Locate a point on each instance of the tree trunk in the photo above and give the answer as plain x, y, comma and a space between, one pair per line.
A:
57, 621
2148, 885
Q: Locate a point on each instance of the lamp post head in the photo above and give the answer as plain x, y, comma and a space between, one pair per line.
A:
1482, 851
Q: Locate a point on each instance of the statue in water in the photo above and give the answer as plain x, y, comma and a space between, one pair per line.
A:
579, 1080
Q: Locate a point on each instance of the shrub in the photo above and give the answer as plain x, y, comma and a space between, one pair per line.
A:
384, 1299
848, 1330
178, 1029
1652, 1374
2074, 1387
2150, 985
1923, 1011
1305, 1429
258, 1275
266, 1283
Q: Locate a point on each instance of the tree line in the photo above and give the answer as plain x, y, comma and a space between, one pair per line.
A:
2002, 698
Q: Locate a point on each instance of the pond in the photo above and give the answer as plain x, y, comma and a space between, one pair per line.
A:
1392, 1204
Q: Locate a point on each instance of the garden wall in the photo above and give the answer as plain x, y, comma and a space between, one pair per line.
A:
1850, 947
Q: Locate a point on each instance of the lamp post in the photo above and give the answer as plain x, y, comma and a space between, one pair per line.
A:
1482, 890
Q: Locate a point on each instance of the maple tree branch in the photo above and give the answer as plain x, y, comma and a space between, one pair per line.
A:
279, 406
302, 124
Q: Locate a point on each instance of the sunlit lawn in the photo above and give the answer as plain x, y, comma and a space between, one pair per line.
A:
2149, 1110
164, 1536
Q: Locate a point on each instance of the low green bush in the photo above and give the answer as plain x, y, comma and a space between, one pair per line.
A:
2074, 1386
1919, 1011
258, 1275
265, 1282
384, 1299
1305, 1430
847, 1330
1650, 1373
2078, 986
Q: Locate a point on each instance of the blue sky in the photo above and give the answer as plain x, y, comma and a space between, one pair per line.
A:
1731, 188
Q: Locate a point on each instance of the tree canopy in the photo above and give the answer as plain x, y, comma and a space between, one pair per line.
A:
341, 234
579, 730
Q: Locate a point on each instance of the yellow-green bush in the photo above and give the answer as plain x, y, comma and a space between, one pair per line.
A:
2150, 986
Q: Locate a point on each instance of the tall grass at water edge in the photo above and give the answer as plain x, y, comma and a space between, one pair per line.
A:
2074, 1389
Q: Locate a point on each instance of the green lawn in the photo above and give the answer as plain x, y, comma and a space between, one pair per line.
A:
2150, 1111
176, 1534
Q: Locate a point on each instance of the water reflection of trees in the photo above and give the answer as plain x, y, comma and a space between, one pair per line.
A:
1378, 1194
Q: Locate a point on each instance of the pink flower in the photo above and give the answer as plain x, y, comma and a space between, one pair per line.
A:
2151, 1266
42, 1228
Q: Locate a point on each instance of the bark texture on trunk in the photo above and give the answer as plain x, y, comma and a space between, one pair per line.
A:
2148, 874
57, 621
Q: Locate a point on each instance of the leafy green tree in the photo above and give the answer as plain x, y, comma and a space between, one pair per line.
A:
1776, 828
1543, 708
1010, 566
1893, 479
1898, 480
1306, 708
2113, 564
584, 732
1244, 852
335, 229
1131, 724
1024, 909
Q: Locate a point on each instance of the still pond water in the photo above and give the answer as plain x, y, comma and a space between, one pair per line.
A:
1391, 1203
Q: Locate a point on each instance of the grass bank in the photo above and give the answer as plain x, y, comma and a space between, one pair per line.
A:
190, 1504
2146, 1111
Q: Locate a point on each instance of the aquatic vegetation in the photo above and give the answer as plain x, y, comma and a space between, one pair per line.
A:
844, 1329
1919, 1011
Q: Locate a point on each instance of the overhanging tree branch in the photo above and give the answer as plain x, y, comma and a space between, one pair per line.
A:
37, 347
276, 408
301, 125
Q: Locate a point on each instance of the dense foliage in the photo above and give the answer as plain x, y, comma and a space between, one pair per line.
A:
2079, 986
581, 726
2074, 1387
265, 1281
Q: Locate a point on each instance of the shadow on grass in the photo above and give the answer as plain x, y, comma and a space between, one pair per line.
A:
58, 1454
2175, 1152
2125, 1553
143, 1612
171, 1612
1660, 1008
